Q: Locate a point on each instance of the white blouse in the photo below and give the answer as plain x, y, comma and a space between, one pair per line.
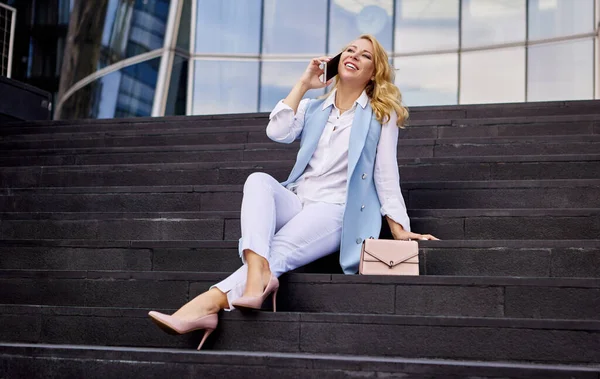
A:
325, 177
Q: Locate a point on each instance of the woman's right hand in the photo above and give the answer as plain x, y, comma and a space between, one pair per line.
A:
310, 77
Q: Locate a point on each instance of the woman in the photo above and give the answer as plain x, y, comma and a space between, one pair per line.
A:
346, 174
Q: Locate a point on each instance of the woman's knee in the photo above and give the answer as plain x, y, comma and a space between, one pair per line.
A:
257, 179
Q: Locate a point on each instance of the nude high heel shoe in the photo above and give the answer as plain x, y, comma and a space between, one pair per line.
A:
255, 302
173, 325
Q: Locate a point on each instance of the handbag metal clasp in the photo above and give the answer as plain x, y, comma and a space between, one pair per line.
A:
391, 264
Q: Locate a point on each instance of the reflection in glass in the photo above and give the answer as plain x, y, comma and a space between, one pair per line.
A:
176, 101
428, 80
277, 80
128, 92
350, 18
228, 26
295, 27
491, 22
183, 34
561, 71
494, 76
557, 18
426, 25
225, 86
132, 28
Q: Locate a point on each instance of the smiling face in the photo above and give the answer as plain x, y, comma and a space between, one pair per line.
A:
357, 62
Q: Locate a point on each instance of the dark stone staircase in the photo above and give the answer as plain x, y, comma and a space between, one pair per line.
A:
103, 220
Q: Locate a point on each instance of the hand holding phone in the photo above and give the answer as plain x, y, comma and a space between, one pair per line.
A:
330, 69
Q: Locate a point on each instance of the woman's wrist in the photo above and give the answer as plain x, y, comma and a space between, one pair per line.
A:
302, 86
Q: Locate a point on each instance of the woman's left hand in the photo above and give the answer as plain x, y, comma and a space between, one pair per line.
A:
399, 233
404, 235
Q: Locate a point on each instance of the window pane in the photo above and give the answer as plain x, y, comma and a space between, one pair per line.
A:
228, 26
114, 30
556, 18
295, 27
491, 22
494, 76
132, 28
128, 92
183, 35
176, 101
351, 18
225, 86
561, 71
428, 80
278, 78
426, 25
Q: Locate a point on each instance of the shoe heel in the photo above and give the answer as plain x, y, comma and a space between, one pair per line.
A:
275, 300
207, 333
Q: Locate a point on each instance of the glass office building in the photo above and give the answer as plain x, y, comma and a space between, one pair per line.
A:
193, 57
39, 40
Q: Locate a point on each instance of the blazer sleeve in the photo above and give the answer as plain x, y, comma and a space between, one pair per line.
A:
387, 177
285, 126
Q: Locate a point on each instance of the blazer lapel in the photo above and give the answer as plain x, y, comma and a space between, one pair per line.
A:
358, 136
313, 128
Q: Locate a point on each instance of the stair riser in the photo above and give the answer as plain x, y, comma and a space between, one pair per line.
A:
522, 262
416, 129
406, 148
161, 175
120, 366
496, 301
452, 228
442, 198
290, 334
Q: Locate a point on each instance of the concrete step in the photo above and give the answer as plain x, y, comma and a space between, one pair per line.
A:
407, 147
451, 224
91, 362
536, 298
417, 127
549, 341
523, 258
160, 172
561, 193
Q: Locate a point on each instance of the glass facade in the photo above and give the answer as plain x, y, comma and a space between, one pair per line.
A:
39, 41
178, 57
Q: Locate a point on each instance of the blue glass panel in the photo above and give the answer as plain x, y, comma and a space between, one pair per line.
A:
428, 80
225, 86
561, 71
556, 18
295, 27
277, 81
426, 25
132, 28
349, 19
228, 26
128, 92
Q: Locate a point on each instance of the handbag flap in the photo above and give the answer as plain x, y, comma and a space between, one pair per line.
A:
391, 252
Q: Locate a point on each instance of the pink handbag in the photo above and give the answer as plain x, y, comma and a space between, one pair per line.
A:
389, 257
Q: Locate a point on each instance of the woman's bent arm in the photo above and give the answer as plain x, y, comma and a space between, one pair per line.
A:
287, 119
285, 126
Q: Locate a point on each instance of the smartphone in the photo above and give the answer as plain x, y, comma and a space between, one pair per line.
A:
330, 69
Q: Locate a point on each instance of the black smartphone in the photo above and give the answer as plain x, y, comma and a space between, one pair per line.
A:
331, 68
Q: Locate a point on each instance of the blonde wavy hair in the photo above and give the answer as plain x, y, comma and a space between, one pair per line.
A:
385, 96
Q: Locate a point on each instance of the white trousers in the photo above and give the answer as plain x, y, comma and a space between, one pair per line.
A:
279, 227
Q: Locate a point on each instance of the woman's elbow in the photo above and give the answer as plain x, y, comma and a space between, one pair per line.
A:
277, 136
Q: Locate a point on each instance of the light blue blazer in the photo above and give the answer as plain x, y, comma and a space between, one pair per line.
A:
362, 217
